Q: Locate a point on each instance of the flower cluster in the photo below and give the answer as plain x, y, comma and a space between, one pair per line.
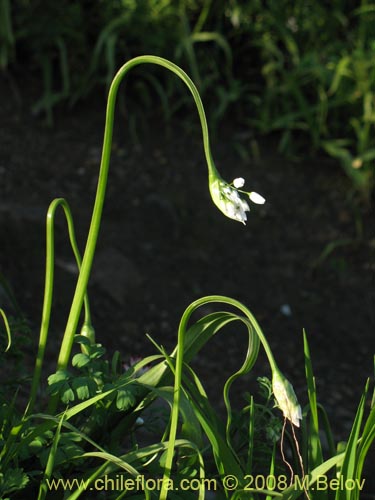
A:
227, 198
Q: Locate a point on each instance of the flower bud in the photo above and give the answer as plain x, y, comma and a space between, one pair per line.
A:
239, 182
257, 198
286, 398
89, 332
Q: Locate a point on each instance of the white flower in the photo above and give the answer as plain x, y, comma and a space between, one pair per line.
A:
227, 197
228, 200
257, 198
286, 398
239, 182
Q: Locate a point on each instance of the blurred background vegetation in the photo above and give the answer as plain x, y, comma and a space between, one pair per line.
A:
301, 72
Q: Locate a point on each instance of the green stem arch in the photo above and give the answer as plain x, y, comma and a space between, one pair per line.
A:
88, 256
48, 290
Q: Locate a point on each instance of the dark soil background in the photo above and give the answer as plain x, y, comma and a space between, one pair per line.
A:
164, 244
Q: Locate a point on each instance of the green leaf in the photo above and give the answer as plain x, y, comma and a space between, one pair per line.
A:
59, 376
342, 70
80, 360
68, 450
7, 329
59, 384
367, 439
190, 428
82, 339
40, 442
67, 394
13, 480
85, 387
43, 489
314, 445
97, 351
349, 466
124, 399
368, 155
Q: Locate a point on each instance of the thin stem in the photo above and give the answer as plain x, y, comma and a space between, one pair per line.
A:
7, 329
283, 454
48, 289
179, 364
83, 278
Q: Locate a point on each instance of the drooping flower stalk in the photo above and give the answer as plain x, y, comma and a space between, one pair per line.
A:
226, 197
283, 390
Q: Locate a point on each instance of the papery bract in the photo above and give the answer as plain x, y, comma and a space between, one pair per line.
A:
228, 200
286, 398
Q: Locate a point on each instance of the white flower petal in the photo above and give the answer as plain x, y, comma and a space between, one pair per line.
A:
257, 198
239, 182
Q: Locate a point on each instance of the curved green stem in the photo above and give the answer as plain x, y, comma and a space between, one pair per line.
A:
180, 359
48, 289
82, 282
7, 329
